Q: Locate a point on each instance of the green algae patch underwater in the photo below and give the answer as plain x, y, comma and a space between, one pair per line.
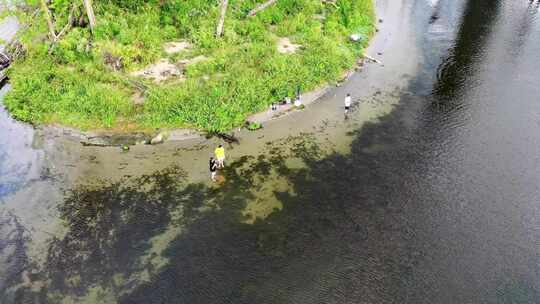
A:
158, 64
122, 236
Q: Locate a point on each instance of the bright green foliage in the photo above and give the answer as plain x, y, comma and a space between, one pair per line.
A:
244, 72
253, 126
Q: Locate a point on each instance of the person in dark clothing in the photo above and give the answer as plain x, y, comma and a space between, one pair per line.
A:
213, 168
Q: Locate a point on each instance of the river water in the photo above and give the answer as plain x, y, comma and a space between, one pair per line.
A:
428, 193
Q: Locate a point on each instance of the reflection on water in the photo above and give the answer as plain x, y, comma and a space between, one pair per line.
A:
8, 28
435, 203
18, 161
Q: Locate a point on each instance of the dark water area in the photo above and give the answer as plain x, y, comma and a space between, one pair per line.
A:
438, 202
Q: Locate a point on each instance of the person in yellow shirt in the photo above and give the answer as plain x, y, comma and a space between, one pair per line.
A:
220, 156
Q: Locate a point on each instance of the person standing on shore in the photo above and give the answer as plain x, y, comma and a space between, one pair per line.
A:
297, 102
220, 155
348, 100
213, 169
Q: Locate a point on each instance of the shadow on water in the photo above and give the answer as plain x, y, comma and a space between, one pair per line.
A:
444, 103
455, 73
342, 234
331, 210
12, 249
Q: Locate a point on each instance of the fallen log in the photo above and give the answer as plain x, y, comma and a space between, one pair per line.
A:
225, 137
372, 59
261, 7
4, 60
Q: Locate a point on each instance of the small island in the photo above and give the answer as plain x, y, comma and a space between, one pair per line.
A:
135, 65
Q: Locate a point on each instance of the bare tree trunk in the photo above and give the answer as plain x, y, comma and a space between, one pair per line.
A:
66, 28
261, 7
49, 20
223, 12
90, 14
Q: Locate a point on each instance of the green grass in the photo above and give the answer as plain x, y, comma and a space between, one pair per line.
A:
253, 126
244, 73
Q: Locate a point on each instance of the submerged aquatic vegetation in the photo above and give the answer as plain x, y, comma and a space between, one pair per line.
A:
86, 79
160, 238
118, 235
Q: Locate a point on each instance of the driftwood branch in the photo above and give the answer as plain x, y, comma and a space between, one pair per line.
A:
332, 2
222, 13
372, 59
261, 7
69, 22
65, 29
137, 85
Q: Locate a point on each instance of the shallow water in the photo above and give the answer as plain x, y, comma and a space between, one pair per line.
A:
433, 202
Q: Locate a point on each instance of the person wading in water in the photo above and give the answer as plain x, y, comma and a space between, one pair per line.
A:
220, 155
348, 100
213, 168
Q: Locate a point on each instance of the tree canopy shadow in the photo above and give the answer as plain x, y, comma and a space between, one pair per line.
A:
333, 209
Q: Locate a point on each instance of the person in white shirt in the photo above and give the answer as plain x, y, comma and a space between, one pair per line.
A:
347, 103
297, 102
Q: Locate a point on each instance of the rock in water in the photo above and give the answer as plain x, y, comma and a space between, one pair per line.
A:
434, 18
160, 138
